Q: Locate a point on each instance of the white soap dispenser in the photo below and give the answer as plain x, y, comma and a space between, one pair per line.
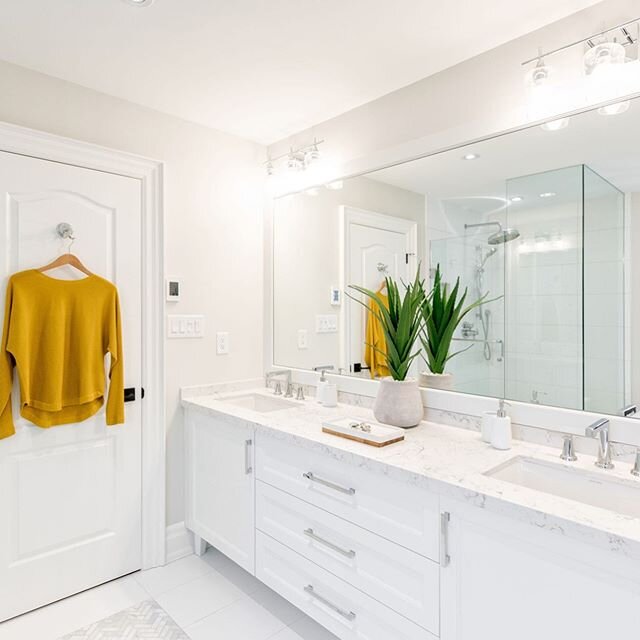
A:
501, 429
321, 388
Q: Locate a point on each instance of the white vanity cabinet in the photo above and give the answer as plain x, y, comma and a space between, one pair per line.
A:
355, 549
373, 557
507, 579
220, 498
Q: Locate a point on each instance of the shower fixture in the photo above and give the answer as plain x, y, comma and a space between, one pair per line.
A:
501, 236
487, 255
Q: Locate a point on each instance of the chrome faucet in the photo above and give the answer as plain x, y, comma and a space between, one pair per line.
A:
568, 449
270, 375
636, 467
629, 410
600, 429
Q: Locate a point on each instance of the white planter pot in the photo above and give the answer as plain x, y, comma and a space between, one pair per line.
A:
398, 403
436, 380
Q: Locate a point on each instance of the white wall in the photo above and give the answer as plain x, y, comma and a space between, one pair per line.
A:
475, 98
213, 209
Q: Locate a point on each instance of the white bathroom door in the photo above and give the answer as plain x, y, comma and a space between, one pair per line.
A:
70, 496
378, 246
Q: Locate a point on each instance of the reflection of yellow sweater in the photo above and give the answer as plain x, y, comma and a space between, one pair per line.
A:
375, 347
57, 333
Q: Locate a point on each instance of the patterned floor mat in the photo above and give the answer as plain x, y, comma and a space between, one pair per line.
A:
144, 621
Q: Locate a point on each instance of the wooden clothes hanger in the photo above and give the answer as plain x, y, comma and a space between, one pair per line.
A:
66, 258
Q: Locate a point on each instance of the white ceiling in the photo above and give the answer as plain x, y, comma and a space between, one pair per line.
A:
260, 69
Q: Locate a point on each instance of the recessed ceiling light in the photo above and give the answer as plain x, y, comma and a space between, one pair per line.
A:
335, 186
517, 199
470, 156
139, 3
548, 194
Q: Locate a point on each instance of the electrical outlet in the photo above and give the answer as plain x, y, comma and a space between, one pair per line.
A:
303, 339
222, 343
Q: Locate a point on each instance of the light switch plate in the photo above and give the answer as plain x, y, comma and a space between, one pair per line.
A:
222, 343
327, 323
185, 326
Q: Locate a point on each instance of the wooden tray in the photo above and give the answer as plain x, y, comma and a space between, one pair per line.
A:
378, 435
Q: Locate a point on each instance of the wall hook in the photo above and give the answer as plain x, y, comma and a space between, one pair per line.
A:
65, 231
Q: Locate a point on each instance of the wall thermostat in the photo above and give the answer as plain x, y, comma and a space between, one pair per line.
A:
174, 288
336, 297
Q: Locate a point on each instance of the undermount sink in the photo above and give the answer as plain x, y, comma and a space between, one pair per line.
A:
260, 403
592, 488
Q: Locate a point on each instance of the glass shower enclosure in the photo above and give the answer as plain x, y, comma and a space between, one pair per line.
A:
554, 334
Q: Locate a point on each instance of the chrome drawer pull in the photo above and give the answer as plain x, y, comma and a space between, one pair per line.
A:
311, 534
327, 483
347, 615
247, 457
445, 558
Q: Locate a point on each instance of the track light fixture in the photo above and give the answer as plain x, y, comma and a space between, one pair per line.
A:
606, 75
296, 159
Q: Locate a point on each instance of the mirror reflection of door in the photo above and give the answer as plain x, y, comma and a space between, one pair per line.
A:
377, 246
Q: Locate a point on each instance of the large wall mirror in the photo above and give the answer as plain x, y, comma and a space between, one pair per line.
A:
542, 222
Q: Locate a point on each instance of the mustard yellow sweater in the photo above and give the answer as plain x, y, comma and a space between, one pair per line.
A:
56, 334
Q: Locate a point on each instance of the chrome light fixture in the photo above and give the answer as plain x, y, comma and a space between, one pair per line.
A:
606, 75
296, 159
542, 95
604, 69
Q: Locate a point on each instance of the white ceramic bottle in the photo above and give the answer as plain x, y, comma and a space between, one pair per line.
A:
320, 389
501, 429
330, 395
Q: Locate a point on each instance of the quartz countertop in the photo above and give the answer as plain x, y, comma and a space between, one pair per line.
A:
448, 460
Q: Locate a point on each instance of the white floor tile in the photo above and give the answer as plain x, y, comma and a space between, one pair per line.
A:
242, 620
63, 617
199, 598
275, 604
161, 579
242, 579
307, 629
286, 634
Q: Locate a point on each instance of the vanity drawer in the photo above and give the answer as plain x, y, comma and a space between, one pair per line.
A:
342, 609
395, 510
401, 579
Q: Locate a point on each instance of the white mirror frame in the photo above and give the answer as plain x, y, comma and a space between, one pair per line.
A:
555, 419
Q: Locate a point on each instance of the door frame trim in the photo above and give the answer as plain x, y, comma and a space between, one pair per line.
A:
352, 215
46, 146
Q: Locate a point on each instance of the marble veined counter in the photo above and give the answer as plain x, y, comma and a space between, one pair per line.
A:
448, 460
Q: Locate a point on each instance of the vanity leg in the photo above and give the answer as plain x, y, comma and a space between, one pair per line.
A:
199, 545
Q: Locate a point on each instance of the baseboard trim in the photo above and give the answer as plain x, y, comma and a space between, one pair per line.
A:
179, 542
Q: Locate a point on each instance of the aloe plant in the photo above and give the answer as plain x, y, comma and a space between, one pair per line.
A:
401, 322
442, 312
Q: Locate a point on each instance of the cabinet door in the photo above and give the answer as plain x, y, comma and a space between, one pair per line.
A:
220, 486
509, 580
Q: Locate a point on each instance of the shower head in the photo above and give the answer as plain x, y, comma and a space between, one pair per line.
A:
487, 255
503, 236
